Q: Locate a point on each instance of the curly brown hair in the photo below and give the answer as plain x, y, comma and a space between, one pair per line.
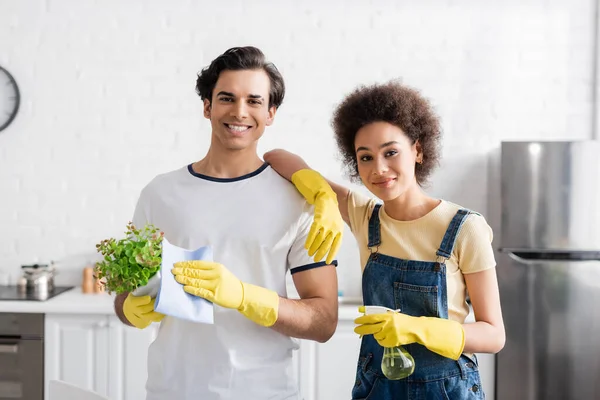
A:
396, 104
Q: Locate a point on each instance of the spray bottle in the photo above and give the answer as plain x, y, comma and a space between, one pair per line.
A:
397, 363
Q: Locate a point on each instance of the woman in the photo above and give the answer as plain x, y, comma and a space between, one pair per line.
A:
421, 255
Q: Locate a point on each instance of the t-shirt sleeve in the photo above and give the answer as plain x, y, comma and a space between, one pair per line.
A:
360, 207
474, 245
298, 258
140, 216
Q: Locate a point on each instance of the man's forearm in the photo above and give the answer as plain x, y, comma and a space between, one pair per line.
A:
119, 300
313, 319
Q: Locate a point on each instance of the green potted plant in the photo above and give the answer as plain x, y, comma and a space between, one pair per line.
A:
131, 264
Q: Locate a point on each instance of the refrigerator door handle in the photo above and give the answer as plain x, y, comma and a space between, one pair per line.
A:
521, 260
535, 257
9, 348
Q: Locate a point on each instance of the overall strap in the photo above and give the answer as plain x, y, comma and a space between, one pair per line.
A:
451, 234
374, 227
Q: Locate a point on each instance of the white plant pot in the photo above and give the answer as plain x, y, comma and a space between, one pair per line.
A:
151, 288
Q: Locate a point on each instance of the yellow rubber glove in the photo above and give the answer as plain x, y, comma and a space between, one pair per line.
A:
325, 236
139, 311
215, 283
442, 336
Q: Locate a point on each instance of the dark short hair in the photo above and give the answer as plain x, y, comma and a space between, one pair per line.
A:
395, 104
241, 58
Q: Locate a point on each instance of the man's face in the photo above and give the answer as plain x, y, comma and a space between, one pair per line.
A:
239, 111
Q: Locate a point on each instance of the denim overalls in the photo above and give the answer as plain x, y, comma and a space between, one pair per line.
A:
417, 288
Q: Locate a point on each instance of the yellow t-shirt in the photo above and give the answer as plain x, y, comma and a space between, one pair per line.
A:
421, 238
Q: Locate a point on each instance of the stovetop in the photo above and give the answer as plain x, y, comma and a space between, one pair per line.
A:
17, 293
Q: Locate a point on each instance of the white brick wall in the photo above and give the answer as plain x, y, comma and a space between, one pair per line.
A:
108, 96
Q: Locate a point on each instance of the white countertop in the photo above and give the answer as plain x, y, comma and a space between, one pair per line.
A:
75, 301
348, 311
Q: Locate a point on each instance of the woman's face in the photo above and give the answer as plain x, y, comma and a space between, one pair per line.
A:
386, 159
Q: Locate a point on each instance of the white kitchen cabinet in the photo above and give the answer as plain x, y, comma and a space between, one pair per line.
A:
97, 352
128, 359
487, 371
328, 370
76, 351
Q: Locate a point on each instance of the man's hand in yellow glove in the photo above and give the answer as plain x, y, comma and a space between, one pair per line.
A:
325, 236
392, 329
215, 283
139, 311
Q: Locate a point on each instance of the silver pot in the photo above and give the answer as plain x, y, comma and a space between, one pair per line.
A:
37, 277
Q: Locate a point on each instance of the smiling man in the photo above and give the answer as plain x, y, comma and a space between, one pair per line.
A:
257, 225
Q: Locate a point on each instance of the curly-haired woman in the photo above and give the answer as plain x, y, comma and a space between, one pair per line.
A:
420, 255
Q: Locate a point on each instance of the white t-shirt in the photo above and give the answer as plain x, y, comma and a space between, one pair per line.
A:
256, 225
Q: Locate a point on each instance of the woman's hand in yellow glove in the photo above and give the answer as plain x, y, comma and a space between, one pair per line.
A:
215, 283
392, 329
325, 236
139, 311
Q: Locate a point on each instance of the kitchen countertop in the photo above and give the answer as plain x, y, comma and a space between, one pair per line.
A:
75, 301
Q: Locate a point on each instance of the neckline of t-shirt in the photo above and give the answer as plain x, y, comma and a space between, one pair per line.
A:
431, 214
227, 180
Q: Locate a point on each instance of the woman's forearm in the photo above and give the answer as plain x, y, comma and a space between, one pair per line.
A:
287, 164
284, 162
483, 337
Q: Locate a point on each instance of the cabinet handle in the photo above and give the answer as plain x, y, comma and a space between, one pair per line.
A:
9, 348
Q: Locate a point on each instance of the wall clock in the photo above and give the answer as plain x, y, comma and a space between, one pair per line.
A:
10, 98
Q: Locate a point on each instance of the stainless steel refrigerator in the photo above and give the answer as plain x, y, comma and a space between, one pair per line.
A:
549, 271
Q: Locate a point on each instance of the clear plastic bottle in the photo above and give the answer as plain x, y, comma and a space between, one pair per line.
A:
397, 363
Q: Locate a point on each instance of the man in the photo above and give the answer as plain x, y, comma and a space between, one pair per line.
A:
257, 225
